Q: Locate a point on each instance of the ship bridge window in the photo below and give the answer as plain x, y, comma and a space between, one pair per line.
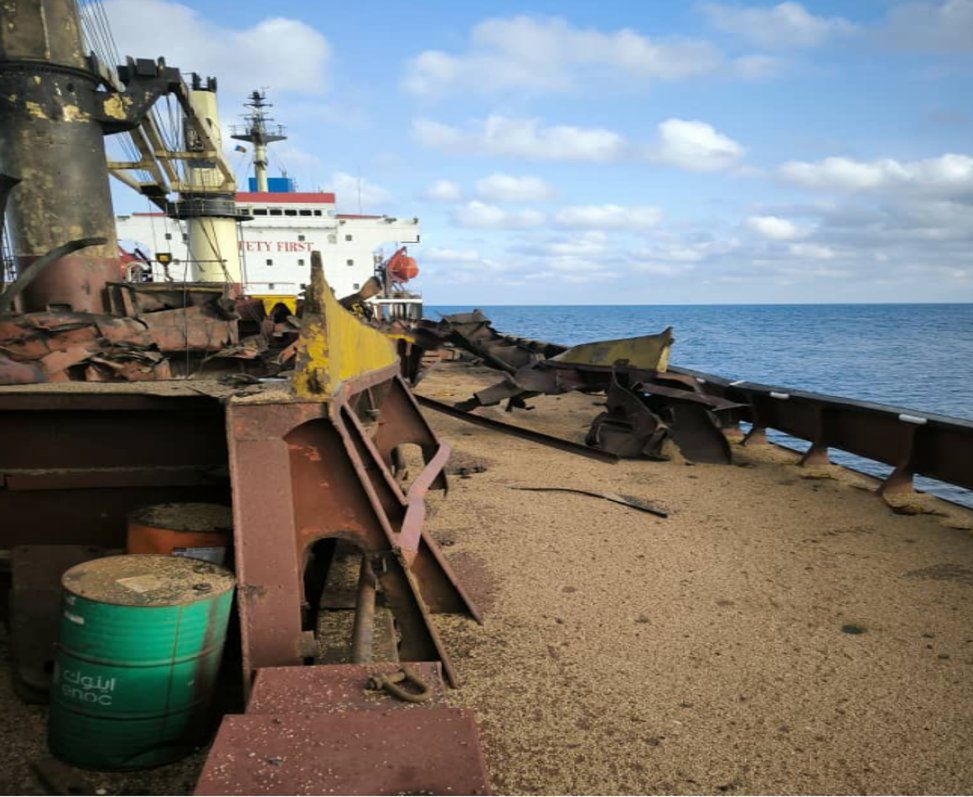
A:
347, 237
275, 212
350, 262
305, 212
355, 286
290, 212
300, 237
270, 262
260, 211
300, 261
168, 236
317, 212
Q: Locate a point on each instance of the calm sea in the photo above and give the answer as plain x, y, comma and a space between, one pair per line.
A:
917, 356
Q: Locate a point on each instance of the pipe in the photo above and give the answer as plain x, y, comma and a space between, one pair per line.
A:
363, 631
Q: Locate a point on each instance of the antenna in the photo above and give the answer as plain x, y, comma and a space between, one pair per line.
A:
259, 133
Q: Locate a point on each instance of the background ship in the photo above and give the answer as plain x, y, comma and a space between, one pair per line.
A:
279, 226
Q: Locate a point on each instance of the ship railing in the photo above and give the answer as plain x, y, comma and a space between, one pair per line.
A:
911, 442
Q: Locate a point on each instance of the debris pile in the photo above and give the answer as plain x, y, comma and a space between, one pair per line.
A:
646, 405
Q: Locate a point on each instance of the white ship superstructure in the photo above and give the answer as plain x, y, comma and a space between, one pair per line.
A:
275, 243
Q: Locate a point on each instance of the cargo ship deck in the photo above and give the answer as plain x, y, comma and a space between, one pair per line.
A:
781, 631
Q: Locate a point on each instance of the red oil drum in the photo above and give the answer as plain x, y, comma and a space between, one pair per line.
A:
196, 530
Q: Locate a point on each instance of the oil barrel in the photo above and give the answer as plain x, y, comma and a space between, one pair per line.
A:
197, 530
140, 639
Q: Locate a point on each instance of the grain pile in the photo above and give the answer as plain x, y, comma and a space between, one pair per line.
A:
776, 634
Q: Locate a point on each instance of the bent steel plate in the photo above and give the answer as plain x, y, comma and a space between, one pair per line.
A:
431, 751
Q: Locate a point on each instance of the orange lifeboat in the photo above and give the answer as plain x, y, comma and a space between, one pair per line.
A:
400, 267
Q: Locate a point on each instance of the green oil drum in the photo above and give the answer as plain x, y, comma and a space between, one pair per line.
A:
140, 640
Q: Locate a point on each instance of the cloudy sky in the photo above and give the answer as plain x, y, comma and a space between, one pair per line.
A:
563, 152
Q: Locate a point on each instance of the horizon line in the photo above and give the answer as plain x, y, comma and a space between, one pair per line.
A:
706, 304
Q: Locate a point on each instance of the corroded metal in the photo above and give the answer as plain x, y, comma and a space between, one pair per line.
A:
54, 115
423, 751
911, 442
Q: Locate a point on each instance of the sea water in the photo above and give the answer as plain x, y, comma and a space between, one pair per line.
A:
915, 356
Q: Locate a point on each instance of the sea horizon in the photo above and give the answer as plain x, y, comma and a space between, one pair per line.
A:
707, 304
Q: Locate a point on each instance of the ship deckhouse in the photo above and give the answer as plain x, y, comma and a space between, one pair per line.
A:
276, 244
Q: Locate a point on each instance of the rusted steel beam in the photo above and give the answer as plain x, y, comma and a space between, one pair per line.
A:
517, 431
101, 478
304, 471
65, 452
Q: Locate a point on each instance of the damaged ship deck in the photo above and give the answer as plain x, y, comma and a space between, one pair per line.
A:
781, 631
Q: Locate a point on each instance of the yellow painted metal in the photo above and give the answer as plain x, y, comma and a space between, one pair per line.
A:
646, 352
334, 344
270, 301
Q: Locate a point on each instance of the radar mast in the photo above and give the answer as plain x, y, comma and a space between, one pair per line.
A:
259, 132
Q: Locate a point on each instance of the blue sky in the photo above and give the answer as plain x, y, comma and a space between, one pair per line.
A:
619, 152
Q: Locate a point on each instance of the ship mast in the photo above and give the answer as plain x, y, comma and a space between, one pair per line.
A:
259, 133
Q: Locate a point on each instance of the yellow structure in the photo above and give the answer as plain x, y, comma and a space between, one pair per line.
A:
214, 251
334, 344
646, 352
270, 302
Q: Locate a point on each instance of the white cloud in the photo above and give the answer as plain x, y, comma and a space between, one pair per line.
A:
523, 138
695, 146
774, 228
242, 59
508, 188
592, 243
550, 55
353, 193
688, 144
443, 191
946, 26
811, 251
784, 25
441, 255
661, 269
758, 67
481, 215
948, 176
608, 217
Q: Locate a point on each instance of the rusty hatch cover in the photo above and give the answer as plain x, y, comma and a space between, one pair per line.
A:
434, 751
